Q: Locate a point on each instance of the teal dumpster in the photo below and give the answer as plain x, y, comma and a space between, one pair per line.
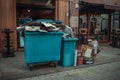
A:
68, 51
42, 47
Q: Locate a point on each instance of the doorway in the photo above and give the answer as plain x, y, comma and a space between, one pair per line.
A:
33, 11
99, 27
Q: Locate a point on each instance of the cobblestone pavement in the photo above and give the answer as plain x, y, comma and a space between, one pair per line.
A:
109, 71
13, 68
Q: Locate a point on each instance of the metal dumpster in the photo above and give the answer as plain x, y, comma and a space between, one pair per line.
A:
42, 47
68, 51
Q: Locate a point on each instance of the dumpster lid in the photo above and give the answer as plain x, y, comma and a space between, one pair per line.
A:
43, 33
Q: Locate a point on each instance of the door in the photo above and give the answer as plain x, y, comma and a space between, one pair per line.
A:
99, 27
103, 34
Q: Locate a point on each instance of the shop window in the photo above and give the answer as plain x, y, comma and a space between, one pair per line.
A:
93, 26
115, 20
82, 21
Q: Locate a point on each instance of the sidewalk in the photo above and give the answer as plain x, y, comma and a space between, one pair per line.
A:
15, 67
109, 71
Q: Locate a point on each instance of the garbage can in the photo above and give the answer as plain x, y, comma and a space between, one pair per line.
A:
68, 51
42, 47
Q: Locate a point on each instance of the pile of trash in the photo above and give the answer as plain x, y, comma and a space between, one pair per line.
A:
46, 27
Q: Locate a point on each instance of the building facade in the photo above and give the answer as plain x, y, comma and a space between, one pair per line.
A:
70, 12
101, 14
12, 10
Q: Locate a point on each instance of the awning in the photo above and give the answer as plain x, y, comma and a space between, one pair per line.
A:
32, 6
93, 8
36, 4
116, 8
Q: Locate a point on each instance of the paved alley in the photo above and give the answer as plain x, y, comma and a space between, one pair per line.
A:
109, 71
108, 60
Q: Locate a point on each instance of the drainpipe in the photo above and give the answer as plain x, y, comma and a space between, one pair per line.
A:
69, 11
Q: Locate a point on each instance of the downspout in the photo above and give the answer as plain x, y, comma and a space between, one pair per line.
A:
69, 12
